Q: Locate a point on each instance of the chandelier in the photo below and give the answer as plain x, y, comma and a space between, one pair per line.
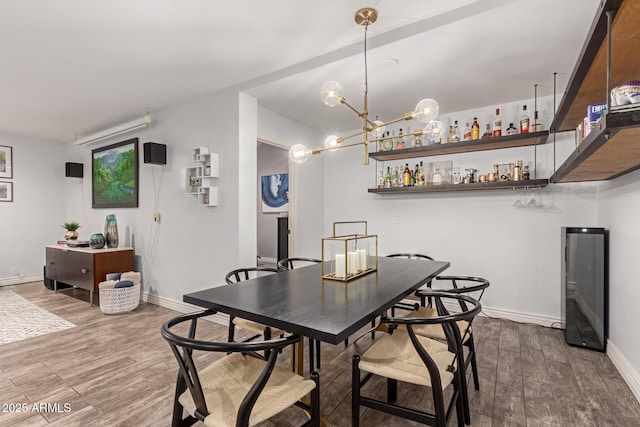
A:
426, 111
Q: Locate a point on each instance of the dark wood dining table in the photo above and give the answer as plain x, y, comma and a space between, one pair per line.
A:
300, 301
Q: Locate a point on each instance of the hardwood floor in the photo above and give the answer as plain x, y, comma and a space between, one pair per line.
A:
118, 371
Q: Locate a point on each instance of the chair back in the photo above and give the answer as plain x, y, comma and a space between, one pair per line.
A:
410, 255
465, 285
246, 273
449, 324
188, 377
290, 263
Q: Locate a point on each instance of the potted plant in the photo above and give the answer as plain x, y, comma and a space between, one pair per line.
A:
72, 230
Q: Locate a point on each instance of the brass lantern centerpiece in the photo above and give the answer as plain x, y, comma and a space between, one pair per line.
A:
348, 256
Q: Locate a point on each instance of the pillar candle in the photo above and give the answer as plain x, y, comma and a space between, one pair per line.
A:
362, 259
353, 263
340, 265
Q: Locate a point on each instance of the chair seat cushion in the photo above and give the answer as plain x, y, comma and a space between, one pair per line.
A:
226, 382
394, 356
255, 327
435, 331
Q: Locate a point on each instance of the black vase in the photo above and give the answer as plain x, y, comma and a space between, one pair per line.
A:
96, 241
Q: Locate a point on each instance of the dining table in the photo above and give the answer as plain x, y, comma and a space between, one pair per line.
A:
301, 302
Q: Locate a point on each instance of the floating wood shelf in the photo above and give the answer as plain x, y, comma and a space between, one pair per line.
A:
613, 148
501, 185
520, 140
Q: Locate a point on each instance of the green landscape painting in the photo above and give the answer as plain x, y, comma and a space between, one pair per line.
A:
115, 175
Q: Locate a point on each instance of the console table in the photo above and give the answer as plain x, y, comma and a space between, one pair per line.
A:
85, 268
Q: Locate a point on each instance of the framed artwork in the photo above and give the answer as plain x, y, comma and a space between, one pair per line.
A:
6, 162
114, 171
6, 191
275, 193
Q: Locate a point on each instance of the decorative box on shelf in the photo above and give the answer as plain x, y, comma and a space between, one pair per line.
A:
349, 256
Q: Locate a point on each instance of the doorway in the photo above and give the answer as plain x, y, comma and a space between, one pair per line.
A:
273, 203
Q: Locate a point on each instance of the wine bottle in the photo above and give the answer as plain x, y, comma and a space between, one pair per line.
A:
387, 181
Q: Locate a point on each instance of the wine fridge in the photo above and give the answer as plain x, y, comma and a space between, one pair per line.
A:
585, 286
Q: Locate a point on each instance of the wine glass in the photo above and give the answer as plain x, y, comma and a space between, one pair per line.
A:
533, 203
518, 203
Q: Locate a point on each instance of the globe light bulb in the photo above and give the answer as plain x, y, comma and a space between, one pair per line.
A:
331, 142
426, 110
378, 129
299, 153
331, 93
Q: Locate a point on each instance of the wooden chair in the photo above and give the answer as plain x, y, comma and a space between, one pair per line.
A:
237, 389
472, 286
408, 357
290, 264
240, 275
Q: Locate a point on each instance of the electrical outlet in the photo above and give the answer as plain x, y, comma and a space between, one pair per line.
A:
156, 217
395, 219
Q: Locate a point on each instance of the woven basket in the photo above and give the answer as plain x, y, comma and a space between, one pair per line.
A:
119, 300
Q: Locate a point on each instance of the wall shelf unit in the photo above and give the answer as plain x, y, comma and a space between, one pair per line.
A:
511, 141
198, 179
613, 148
500, 185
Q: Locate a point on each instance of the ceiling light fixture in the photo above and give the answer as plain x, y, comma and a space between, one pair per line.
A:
115, 131
331, 94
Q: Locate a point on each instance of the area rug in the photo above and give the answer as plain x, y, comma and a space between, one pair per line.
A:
20, 319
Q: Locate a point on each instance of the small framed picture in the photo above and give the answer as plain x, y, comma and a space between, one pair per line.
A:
6, 191
6, 162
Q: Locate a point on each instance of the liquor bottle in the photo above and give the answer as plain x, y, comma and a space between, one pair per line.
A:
536, 126
525, 173
381, 179
387, 180
475, 129
417, 141
487, 133
437, 178
524, 121
450, 136
516, 173
412, 181
456, 134
511, 130
388, 142
395, 180
400, 140
497, 124
381, 140
422, 176
406, 176
467, 133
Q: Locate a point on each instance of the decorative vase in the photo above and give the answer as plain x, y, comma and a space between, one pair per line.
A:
96, 241
71, 235
111, 231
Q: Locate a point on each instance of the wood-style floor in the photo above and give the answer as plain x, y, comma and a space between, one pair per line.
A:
118, 371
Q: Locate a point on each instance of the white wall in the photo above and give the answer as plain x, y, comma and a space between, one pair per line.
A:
306, 189
34, 218
479, 232
192, 247
618, 206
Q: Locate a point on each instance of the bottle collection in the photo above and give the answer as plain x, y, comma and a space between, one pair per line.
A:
456, 133
440, 173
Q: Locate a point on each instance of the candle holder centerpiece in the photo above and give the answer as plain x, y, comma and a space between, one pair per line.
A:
348, 256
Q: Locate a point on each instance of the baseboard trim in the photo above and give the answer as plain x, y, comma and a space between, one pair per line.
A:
21, 279
515, 316
630, 376
182, 307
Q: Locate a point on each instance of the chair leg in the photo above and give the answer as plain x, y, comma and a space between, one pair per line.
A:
355, 391
460, 415
373, 332
267, 337
392, 390
463, 389
315, 401
474, 366
232, 329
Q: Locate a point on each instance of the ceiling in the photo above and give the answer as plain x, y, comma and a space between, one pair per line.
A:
74, 67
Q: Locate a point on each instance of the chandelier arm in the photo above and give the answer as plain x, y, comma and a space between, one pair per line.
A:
351, 144
344, 101
407, 116
351, 136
